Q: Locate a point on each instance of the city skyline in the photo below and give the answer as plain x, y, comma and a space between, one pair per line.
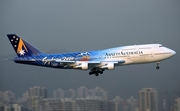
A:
36, 99
81, 92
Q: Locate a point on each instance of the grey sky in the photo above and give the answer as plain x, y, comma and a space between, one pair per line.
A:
68, 25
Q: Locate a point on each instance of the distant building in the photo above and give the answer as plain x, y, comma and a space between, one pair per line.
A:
118, 103
176, 106
125, 105
173, 96
38, 92
71, 93
25, 96
82, 92
6, 107
7, 96
97, 93
178, 103
74, 105
55, 105
164, 101
94, 105
13, 107
35, 93
132, 104
148, 99
59, 93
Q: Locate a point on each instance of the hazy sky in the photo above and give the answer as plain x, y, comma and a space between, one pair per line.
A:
81, 25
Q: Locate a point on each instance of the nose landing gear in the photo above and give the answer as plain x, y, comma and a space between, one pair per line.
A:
157, 67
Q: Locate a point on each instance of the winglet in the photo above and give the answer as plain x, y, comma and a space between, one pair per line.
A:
21, 47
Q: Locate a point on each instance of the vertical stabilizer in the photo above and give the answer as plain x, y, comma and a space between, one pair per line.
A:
21, 47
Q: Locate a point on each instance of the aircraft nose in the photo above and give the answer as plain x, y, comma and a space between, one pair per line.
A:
173, 52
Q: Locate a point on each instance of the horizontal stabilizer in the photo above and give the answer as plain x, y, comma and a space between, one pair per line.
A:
9, 59
25, 61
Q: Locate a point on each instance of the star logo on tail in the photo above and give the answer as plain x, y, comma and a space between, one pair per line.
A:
22, 52
19, 45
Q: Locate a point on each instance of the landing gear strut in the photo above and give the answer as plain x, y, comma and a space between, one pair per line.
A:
96, 71
157, 67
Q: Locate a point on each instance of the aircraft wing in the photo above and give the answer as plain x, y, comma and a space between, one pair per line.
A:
84, 64
63, 61
69, 62
90, 62
116, 62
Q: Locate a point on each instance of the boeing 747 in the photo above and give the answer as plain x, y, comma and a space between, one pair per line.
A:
96, 61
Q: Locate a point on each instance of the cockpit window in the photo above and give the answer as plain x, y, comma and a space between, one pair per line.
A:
160, 46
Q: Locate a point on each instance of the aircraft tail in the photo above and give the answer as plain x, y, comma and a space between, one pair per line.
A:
21, 47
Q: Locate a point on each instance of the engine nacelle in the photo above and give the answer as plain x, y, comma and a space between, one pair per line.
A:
83, 66
109, 66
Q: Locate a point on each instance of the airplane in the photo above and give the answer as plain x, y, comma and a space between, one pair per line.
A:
96, 61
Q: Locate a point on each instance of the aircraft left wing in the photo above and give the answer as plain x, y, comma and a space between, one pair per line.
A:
116, 62
89, 62
84, 65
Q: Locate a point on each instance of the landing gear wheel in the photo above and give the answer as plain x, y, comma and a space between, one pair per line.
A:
157, 67
90, 73
97, 74
101, 72
96, 71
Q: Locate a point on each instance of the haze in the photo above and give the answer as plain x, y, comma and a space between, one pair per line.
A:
68, 26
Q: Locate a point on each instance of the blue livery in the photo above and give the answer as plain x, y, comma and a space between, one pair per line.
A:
97, 61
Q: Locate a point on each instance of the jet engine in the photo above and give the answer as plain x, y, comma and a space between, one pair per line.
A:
109, 66
83, 66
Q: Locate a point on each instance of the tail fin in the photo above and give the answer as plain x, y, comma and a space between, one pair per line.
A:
21, 47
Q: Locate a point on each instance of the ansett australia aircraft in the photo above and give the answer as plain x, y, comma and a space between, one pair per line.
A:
96, 61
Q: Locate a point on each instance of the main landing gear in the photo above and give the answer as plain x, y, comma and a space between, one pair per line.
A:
157, 67
96, 71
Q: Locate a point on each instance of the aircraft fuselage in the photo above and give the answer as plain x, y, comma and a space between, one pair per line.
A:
97, 60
